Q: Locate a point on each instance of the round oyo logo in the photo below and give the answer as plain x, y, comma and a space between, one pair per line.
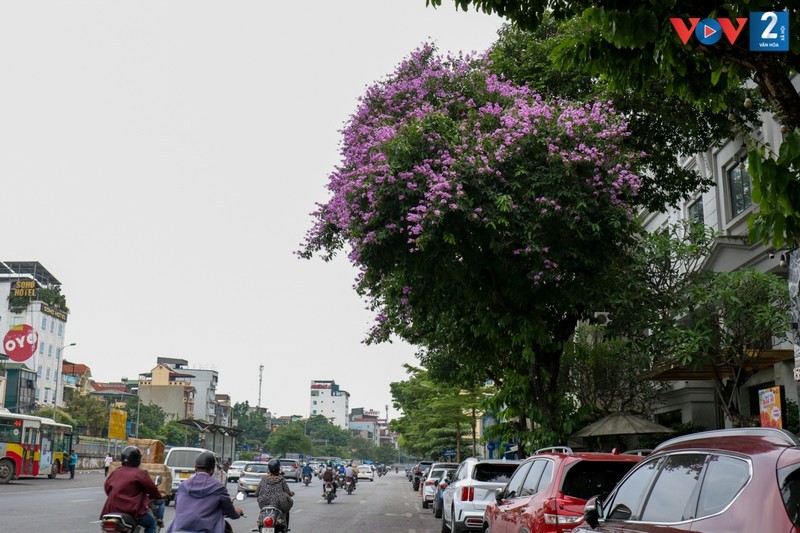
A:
20, 342
708, 31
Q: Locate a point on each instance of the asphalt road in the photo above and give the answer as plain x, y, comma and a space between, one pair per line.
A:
387, 505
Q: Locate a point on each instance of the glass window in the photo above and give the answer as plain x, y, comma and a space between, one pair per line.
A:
515, 483
628, 499
39, 371
674, 494
44, 323
789, 481
49, 350
585, 479
52, 326
739, 188
695, 210
47, 378
547, 477
41, 348
60, 329
725, 477
494, 472
532, 479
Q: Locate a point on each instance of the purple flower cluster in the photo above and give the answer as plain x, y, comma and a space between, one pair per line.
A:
427, 142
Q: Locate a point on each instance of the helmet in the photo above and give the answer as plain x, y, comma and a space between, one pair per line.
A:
330, 463
206, 461
274, 466
131, 456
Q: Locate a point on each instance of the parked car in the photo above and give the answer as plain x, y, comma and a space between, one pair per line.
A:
366, 472
473, 487
439, 492
549, 490
417, 473
232, 474
251, 476
731, 480
430, 484
292, 469
180, 461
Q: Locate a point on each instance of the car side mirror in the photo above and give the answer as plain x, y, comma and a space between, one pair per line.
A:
498, 495
157, 481
592, 511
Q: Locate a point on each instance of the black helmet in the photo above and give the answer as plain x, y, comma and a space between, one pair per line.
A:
206, 461
131, 456
274, 466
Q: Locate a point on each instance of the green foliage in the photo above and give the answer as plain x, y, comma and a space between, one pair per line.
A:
175, 434
436, 416
89, 412
253, 422
151, 419
633, 48
289, 439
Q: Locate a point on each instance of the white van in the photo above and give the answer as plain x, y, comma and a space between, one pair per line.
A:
180, 462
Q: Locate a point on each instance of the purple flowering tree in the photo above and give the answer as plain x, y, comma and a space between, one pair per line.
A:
483, 220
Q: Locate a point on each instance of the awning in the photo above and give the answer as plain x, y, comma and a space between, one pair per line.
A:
676, 371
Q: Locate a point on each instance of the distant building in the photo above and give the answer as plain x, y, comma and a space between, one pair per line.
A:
170, 389
19, 395
76, 378
205, 384
328, 400
30, 295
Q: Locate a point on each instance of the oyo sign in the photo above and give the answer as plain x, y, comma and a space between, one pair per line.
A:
20, 342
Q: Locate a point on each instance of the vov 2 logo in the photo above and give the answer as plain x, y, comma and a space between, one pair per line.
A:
769, 30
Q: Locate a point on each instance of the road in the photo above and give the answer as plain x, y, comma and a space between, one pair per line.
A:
387, 505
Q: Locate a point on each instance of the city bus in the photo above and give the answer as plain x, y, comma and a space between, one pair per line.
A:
32, 446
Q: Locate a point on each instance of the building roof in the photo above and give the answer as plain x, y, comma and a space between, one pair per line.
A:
75, 368
32, 269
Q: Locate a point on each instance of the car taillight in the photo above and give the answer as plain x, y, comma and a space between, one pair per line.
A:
430, 482
552, 517
443, 485
467, 494
295, 467
269, 521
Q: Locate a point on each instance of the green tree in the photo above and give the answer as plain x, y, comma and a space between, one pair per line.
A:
484, 221
151, 419
175, 434
89, 412
289, 439
632, 47
253, 423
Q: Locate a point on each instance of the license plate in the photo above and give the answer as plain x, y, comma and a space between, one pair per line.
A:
268, 530
184, 475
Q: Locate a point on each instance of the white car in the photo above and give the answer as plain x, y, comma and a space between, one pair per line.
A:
235, 470
430, 484
366, 472
473, 487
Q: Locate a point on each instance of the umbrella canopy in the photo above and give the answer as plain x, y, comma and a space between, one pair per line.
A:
621, 424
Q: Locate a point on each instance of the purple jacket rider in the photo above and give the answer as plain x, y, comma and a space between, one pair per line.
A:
201, 505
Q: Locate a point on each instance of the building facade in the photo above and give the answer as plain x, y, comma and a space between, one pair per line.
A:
170, 389
726, 208
328, 400
31, 298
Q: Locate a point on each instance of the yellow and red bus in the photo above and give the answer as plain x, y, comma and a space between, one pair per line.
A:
32, 446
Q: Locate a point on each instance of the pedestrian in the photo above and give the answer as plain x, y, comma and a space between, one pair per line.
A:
107, 463
73, 462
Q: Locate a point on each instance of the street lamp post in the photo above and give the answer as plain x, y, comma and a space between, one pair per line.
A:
138, 406
60, 365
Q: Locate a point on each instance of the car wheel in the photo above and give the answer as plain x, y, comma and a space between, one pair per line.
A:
437, 511
424, 504
445, 527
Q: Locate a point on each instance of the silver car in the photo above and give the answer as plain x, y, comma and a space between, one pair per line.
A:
292, 469
473, 487
251, 475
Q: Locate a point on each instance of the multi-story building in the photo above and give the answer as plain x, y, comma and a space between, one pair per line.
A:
170, 389
223, 412
726, 208
205, 385
31, 299
328, 400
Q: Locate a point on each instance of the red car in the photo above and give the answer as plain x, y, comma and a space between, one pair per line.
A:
724, 481
548, 492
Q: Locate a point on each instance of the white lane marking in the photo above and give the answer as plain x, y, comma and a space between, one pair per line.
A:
79, 501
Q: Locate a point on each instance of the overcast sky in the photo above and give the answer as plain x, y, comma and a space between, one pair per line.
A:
161, 158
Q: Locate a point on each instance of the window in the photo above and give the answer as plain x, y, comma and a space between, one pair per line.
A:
739, 189
547, 477
631, 493
44, 323
675, 492
515, 483
47, 377
532, 479
724, 478
60, 329
52, 326
314, 402
39, 372
591, 478
49, 350
695, 210
41, 348
314, 393
494, 472
789, 481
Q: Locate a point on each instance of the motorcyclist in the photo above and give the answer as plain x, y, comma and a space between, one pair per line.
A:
328, 476
129, 490
203, 502
349, 473
274, 491
355, 475
307, 470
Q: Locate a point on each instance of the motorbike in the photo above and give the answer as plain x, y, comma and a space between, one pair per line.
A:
348, 485
327, 491
125, 523
307, 479
271, 520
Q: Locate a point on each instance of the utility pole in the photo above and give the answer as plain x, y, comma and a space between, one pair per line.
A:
260, 375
